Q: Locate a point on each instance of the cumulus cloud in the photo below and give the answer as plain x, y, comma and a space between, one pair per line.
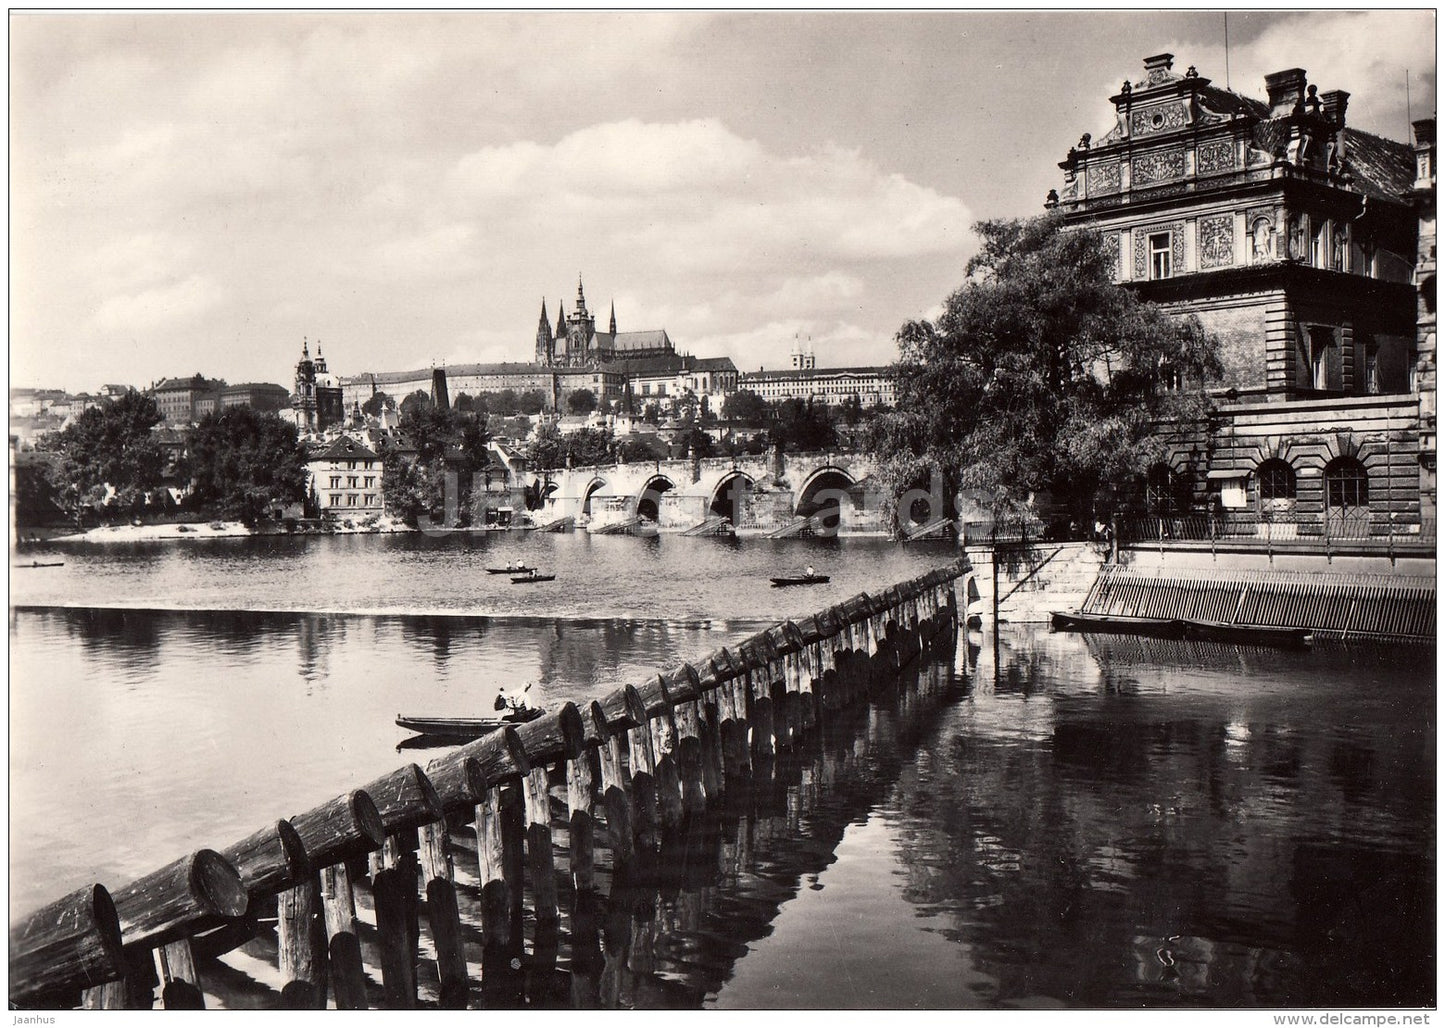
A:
127, 315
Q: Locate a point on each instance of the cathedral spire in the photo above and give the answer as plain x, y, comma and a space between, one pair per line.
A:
612, 321
544, 336
581, 300
561, 319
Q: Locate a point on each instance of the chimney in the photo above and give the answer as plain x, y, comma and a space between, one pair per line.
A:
1285, 88
1424, 153
1156, 68
1334, 103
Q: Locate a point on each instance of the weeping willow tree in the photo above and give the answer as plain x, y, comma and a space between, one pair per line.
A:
1041, 376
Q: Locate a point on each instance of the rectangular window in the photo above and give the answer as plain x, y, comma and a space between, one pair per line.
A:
1161, 255
351, 499
335, 500
371, 499
351, 481
336, 481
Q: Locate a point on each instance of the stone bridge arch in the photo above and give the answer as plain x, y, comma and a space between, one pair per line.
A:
597, 484
730, 496
648, 500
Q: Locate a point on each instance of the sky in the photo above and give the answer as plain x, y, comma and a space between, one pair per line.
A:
198, 192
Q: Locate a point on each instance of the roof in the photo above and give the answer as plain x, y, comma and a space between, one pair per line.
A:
1227, 101
194, 382
652, 340
382, 378
803, 374
343, 448
1383, 168
248, 386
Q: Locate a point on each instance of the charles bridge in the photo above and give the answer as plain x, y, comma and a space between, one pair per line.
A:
772, 493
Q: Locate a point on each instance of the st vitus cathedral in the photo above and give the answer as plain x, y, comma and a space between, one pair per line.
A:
574, 341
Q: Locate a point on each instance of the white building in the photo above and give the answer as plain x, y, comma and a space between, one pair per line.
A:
345, 478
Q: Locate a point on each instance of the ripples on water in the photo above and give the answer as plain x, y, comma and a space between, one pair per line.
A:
1087, 821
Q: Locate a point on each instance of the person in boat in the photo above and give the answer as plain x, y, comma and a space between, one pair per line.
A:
514, 702
810, 573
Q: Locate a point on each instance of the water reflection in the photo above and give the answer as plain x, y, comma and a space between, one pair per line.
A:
1043, 820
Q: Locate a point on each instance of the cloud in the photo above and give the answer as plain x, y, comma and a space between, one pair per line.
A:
696, 195
152, 310
1365, 53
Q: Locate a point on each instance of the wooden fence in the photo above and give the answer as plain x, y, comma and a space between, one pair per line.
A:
535, 822
1332, 604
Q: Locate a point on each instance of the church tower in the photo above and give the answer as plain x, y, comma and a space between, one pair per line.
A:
305, 403
544, 336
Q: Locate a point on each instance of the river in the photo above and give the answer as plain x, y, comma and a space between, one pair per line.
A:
1082, 821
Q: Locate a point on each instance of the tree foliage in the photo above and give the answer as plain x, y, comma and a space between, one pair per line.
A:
376, 403
446, 442
109, 445
241, 461
1041, 375
581, 401
803, 425
745, 405
549, 448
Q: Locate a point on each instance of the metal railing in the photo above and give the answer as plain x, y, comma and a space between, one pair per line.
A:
1294, 532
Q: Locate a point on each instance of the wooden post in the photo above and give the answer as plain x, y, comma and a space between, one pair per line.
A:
301, 937
69, 944
393, 891
579, 821
444, 916
343, 935
615, 801
643, 763
539, 846
500, 981
663, 725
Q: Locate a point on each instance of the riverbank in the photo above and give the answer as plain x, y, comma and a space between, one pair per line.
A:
218, 530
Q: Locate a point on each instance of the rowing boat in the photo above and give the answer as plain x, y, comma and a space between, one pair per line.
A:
532, 578
1158, 628
1252, 635
509, 571
463, 727
800, 580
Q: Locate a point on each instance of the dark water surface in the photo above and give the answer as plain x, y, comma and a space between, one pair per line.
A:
1082, 821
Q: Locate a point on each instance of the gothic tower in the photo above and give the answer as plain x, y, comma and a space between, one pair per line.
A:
544, 336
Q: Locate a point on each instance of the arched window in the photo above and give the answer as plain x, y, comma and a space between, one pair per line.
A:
1276, 486
1347, 489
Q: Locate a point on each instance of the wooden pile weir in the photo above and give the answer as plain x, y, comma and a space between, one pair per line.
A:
1331, 604
495, 841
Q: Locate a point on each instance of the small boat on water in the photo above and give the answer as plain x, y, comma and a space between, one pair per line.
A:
799, 580
42, 564
1156, 628
523, 580
509, 571
1184, 628
463, 728
1252, 635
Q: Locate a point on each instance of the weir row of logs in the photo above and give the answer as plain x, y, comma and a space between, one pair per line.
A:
567, 817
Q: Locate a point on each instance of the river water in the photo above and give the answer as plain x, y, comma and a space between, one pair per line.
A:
1077, 821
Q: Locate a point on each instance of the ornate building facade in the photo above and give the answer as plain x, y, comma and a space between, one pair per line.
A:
1292, 236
